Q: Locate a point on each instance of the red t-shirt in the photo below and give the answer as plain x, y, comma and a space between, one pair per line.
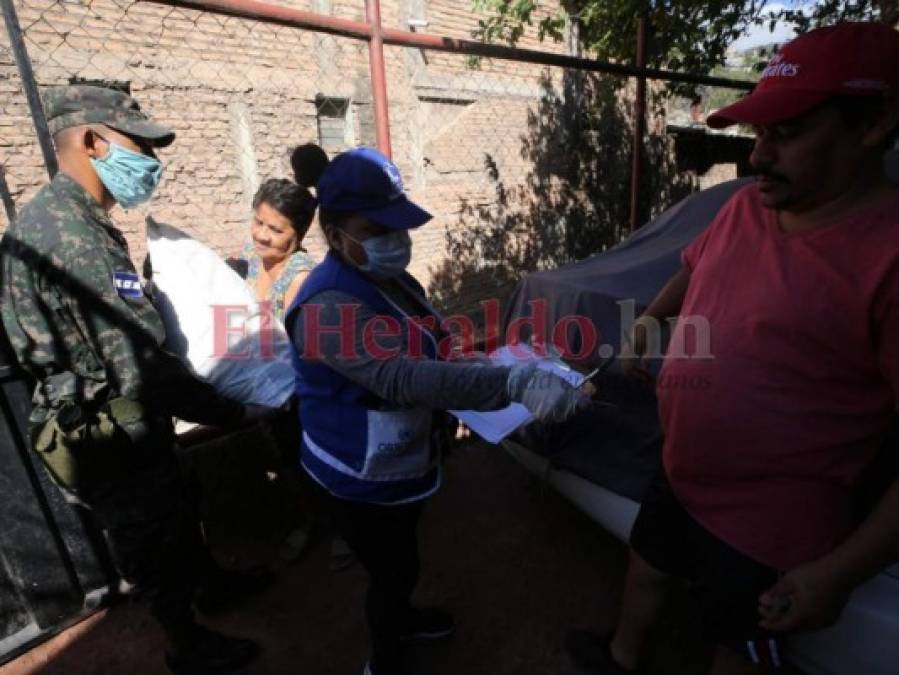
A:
765, 441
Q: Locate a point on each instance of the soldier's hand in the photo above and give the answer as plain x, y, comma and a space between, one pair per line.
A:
254, 413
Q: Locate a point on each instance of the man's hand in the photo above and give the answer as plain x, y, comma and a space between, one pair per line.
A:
646, 331
808, 597
633, 353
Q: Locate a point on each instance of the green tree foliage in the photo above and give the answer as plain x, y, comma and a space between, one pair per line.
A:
684, 35
807, 16
574, 200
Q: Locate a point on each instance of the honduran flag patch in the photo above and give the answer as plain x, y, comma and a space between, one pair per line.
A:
127, 285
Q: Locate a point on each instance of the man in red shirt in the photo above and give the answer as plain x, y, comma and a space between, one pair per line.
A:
782, 375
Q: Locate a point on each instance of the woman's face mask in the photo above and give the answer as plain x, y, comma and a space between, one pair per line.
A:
130, 177
388, 254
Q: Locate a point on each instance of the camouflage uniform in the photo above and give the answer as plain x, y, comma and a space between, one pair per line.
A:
80, 322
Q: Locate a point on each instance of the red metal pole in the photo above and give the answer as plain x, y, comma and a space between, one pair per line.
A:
440, 43
378, 76
287, 16
639, 127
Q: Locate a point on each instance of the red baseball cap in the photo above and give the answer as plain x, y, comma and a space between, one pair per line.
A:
853, 58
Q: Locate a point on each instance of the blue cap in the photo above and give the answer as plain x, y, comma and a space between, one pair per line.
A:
364, 181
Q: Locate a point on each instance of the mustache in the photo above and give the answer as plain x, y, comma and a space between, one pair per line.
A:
768, 174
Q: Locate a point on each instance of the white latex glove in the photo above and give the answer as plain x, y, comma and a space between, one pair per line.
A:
547, 396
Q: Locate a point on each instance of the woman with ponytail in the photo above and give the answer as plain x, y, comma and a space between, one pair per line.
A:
276, 262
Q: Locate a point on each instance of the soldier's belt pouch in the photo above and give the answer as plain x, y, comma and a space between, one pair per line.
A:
72, 442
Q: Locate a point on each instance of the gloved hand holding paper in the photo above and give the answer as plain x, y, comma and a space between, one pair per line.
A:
546, 394
552, 394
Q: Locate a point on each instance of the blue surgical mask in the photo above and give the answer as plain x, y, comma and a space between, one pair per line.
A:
388, 254
131, 177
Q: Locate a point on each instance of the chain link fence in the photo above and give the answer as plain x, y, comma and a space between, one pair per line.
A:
239, 94
524, 166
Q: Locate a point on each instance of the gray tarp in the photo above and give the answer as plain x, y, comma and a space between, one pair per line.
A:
617, 447
633, 270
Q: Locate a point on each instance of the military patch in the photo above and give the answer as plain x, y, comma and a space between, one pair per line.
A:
127, 285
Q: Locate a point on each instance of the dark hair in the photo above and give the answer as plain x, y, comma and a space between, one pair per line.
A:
289, 199
308, 163
855, 110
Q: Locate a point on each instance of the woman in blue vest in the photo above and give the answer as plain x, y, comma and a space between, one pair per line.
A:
372, 390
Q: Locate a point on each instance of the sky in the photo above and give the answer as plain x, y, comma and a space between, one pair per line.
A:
760, 35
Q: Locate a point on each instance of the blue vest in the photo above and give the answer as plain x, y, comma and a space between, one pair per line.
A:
355, 444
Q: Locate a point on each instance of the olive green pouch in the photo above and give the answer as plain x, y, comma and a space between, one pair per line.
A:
80, 449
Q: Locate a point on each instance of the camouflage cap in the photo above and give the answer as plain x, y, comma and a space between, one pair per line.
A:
85, 104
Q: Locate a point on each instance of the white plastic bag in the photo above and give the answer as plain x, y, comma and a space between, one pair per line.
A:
212, 319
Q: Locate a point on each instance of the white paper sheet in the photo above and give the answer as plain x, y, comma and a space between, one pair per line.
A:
495, 425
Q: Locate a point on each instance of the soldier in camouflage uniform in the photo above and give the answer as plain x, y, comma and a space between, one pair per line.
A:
81, 323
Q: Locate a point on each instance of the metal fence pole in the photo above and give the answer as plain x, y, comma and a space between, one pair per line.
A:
287, 16
378, 76
17, 43
6, 197
639, 127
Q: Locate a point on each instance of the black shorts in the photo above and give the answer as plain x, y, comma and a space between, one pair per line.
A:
725, 583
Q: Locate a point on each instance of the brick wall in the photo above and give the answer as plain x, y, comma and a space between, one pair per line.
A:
239, 95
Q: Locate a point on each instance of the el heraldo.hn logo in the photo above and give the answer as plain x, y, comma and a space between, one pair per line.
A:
777, 67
